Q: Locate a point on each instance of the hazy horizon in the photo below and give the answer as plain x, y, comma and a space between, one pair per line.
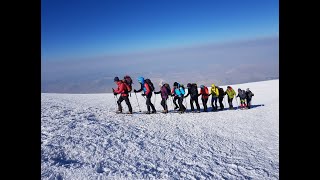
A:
222, 64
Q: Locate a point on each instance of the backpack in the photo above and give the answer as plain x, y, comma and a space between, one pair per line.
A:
168, 88
183, 90
244, 93
221, 92
249, 94
128, 82
148, 81
206, 90
182, 86
194, 89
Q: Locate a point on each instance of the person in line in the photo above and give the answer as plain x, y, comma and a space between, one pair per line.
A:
165, 92
231, 94
242, 96
205, 96
214, 98
122, 90
193, 91
145, 87
249, 95
221, 96
179, 92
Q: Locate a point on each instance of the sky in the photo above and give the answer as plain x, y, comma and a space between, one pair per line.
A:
75, 29
85, 43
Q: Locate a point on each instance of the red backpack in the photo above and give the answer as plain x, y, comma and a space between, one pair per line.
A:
128, 82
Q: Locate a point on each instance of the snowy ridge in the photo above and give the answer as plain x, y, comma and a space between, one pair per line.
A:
82, 138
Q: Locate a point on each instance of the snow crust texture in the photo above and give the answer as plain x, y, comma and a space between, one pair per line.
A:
83, 138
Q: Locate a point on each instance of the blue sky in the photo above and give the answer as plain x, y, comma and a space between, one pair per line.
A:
76, 29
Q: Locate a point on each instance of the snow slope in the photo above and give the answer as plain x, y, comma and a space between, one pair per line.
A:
82, 138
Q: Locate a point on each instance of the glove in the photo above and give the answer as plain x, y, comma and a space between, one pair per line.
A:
134, 90
143, 94
114, 93
112, 90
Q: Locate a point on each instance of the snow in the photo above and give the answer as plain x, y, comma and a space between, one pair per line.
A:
83, 138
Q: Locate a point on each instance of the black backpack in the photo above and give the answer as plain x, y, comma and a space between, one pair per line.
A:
193, 89
221, 92
148, 81
249, 94
168, 88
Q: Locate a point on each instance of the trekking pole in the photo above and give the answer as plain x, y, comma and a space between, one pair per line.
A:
237, 102
115, 97
138, 102
185, 99
155, 97
224, 101
115, 100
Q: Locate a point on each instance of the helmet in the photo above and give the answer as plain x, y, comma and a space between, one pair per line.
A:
140, 79
116, 79
202, 86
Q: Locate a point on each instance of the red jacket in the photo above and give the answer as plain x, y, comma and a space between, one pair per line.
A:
121, 89
204, 92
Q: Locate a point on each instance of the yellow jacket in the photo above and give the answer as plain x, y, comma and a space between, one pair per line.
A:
214, 91
230, 92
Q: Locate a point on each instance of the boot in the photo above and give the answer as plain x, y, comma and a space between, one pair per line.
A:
118, 111
165, 111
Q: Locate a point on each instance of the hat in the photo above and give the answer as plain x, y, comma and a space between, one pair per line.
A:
175, 84
140, 79
202, 86
116, 79
247, 89
189, 85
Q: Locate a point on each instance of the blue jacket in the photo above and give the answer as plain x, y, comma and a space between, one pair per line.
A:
141, 81
179, 91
